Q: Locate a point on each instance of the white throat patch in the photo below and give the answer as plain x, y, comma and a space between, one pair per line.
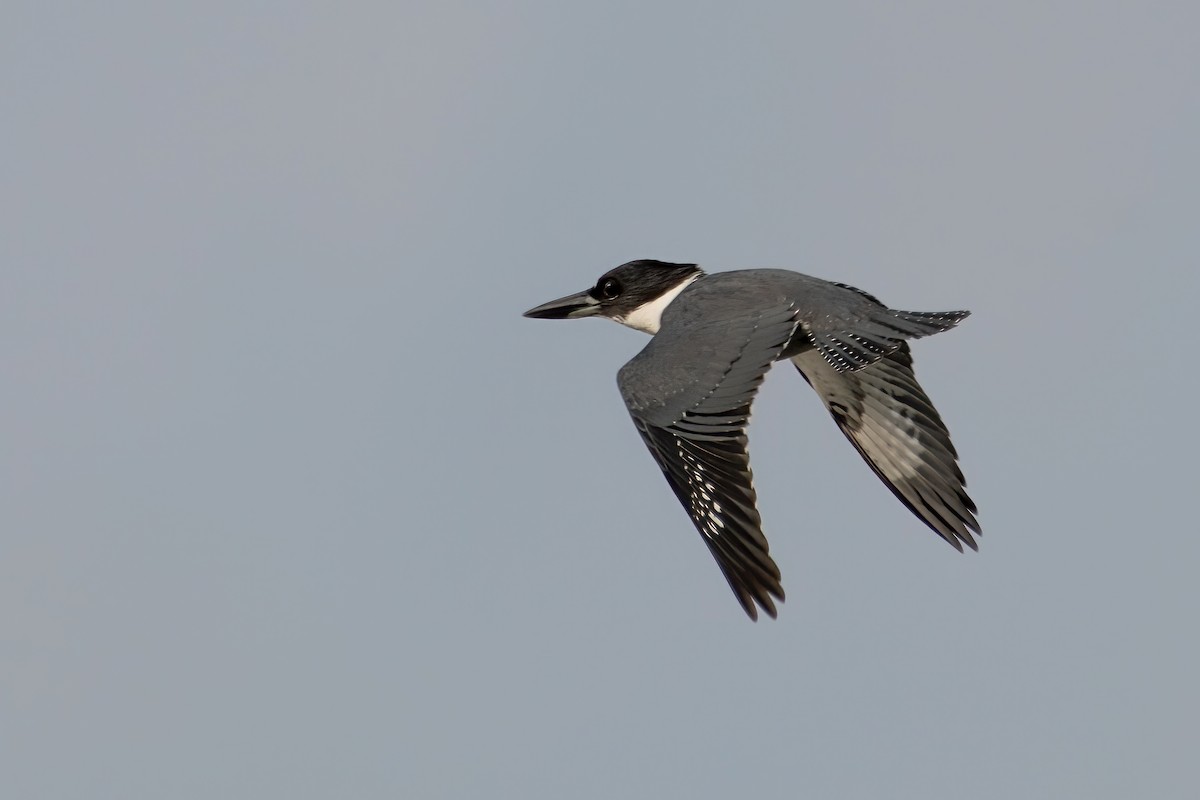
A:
648, 316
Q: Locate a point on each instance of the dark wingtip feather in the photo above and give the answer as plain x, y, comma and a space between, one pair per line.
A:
754, 594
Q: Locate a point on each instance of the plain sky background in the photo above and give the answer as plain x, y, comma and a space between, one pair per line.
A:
294, 504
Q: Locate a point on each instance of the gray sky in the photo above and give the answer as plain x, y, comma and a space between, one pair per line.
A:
294, 503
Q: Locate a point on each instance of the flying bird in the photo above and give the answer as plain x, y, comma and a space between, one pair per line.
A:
690, 389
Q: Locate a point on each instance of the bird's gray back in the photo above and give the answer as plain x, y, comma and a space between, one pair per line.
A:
850, 328
819, 304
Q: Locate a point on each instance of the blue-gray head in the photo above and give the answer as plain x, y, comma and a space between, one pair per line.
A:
633, 294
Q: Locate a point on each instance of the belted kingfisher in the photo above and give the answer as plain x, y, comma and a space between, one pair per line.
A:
715, 336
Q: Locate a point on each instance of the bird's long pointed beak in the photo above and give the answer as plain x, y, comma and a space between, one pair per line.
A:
573, 306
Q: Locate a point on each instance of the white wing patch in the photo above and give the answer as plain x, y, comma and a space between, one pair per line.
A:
705, 510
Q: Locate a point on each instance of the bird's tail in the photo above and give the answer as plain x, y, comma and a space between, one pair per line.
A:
915, 324
883, 332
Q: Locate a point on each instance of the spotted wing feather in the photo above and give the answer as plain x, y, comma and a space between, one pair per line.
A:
690, 400
879, 334
890, 420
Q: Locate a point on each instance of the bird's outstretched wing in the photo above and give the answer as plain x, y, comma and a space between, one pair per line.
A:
690, 399
890, 421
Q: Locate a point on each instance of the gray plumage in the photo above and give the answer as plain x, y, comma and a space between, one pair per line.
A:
691, 388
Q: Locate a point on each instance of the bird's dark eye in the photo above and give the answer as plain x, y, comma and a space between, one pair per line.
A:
609, 288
